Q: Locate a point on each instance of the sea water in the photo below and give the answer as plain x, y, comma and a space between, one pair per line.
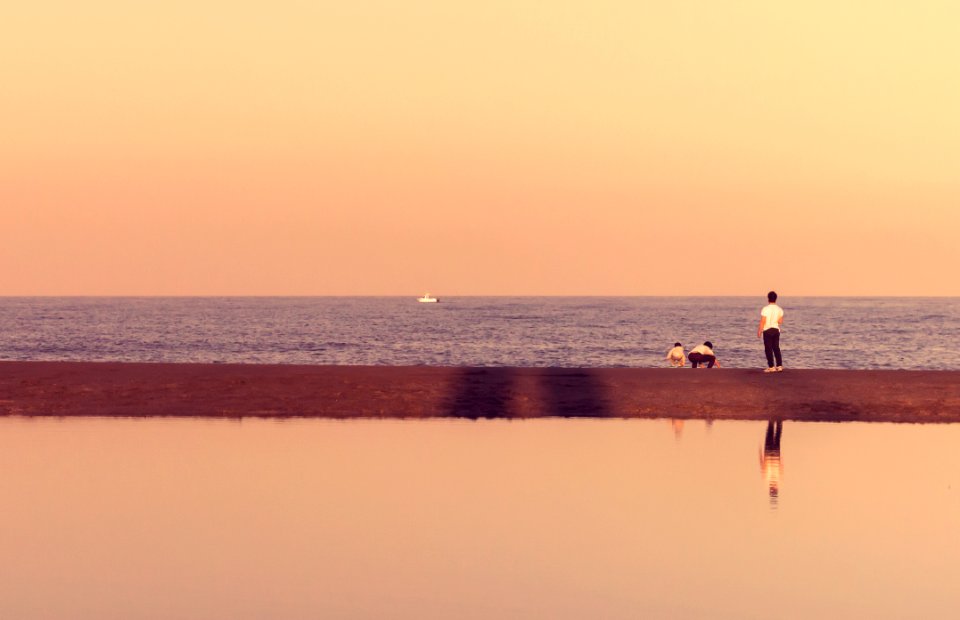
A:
818, 332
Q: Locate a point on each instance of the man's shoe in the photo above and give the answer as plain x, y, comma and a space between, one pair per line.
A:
779, 368
771, 369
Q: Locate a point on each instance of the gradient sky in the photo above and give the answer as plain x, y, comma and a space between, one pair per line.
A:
499, 147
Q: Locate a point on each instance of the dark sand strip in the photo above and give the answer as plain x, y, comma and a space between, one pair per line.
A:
237, 390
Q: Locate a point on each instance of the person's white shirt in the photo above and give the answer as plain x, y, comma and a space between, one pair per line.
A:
702, 350
772, 316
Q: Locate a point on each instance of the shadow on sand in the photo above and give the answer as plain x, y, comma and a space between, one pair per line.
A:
483, 393
573, 393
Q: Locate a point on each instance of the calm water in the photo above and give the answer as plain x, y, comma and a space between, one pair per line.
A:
479, 331
158, 519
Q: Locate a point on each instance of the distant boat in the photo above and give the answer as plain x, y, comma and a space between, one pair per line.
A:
426, 299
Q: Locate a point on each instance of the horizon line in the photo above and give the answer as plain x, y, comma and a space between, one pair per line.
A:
413, 296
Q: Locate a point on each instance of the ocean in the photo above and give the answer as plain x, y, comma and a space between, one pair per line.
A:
819, 332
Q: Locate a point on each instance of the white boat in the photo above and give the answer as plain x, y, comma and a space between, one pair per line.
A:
426, 299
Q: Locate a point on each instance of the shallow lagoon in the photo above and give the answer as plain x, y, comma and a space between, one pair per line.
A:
551, 518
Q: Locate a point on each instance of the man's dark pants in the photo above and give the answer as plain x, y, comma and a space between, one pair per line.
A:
771, 346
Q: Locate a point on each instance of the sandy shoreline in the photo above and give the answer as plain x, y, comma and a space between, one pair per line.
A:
239, 390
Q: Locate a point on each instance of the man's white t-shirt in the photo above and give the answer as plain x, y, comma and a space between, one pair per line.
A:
771, 314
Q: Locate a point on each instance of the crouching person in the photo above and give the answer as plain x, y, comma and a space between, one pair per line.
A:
703, 354
675, 356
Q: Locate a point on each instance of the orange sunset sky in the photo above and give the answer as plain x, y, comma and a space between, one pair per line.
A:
479, 148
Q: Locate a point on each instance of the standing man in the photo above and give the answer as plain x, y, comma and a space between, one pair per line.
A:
771, 318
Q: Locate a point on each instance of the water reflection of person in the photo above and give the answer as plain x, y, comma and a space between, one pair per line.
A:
677, 428
770, 462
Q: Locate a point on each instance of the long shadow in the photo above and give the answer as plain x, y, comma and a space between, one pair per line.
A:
483, 393
573, 393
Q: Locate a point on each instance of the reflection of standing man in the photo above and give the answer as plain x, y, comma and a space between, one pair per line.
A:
771, 318
770, 463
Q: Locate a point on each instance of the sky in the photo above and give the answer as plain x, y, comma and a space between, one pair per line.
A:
503, 147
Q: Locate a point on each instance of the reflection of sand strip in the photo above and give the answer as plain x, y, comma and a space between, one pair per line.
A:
66, 388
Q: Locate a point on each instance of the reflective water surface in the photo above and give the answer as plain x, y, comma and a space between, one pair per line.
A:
552, 518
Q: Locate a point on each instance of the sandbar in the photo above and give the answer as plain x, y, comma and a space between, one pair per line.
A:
251, 390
